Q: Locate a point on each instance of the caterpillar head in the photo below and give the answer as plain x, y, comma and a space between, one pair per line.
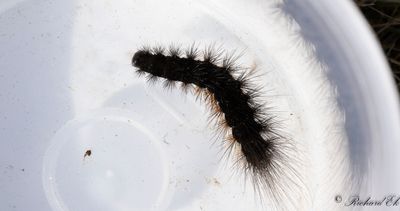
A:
140, 59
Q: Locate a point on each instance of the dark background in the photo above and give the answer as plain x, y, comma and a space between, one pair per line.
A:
384, 17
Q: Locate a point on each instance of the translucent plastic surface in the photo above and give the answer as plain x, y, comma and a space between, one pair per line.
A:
67, 87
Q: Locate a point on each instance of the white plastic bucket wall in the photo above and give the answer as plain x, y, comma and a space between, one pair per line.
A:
345, 42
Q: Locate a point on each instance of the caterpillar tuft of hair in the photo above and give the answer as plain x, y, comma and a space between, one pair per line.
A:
263, 151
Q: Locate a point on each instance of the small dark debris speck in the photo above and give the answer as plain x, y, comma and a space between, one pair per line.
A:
88, 153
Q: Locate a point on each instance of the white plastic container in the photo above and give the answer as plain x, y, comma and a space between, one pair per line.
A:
67, 87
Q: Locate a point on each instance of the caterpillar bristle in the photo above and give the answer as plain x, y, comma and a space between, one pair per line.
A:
168, 84
140, 73
158, 50
229, 62
192, 52
185, 87
212, 54
151, 79
174, 51
145, 48
250, 131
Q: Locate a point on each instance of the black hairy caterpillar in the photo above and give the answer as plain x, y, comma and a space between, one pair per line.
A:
233, 101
